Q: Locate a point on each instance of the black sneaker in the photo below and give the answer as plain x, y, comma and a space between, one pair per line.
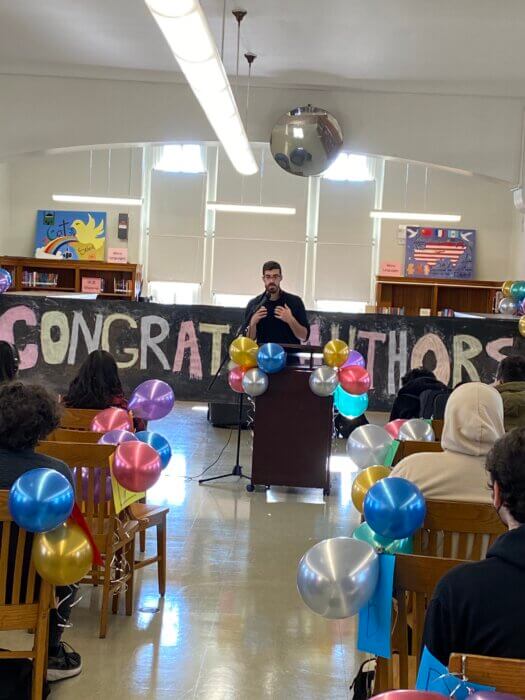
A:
66, 664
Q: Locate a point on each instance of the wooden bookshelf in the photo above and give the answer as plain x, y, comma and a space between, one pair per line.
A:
413, 294
67, 276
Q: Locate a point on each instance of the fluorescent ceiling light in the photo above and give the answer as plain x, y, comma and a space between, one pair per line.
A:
186, 30
88, 199
251, 209
414, 216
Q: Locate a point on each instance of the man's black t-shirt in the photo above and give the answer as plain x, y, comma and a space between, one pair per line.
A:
271, 329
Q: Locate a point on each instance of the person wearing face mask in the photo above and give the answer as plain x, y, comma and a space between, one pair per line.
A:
477, 608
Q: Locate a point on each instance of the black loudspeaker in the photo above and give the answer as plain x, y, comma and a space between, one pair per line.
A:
226, 415
123, 227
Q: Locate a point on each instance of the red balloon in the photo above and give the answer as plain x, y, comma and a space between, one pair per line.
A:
235, 379
408, 695
111, 419
354, 379
136, 465
394, 426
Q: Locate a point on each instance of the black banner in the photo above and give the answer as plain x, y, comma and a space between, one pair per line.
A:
184, 344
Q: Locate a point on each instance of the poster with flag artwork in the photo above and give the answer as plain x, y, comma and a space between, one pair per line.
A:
440, 252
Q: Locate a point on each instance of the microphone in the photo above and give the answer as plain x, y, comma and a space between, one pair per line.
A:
266, 297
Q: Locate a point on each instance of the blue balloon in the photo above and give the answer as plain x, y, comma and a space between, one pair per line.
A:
271, 358
158, 442
365, 533
394, 508
349, 405
41, 499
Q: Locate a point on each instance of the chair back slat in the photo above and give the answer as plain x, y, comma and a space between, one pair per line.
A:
507, 675
19, 566
4, 560
77, 418
412, 447
437, 427
68, 435
31, 584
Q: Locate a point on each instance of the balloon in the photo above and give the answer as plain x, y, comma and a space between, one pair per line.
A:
63, 556
255, 382
108, 493
393, 427
517, 290
115, 437
349, 405
364, 481
136, 466
271, 358
159, 444
416, 429
410, 695
368, 445
355, 358
365, 533
508, 306
337, 577
324, 381
41, 499
5, 280
354, 379
243, 352
335, 353
152, 399
521, 326
506, 287
235, 376
394, 508
111, 419
492, 695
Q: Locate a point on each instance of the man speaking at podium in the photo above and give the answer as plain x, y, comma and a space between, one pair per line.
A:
276, 316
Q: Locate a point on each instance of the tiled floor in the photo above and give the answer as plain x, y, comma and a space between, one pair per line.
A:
232, 625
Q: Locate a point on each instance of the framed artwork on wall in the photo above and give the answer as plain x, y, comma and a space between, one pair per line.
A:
446, 253
73, 235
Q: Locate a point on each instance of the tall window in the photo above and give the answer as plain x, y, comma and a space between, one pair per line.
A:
174, 292
181, 158
351, 168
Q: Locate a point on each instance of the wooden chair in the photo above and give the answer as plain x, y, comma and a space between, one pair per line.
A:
507, 675
467, 528
437, 427
23, 608
77, 418
68, 435
115, 537
147, 516
411, 447
419, 576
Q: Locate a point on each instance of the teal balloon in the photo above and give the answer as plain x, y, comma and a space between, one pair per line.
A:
365, 533
349, 405
517, 290
159, 443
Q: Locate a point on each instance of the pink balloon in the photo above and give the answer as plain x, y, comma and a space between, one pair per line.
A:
235, 376
354, 358
409, 695
111, 419
115, 437
394, 427
136, 466
355, 380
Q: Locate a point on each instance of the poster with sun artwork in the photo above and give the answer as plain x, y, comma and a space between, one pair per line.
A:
70, 235
447, 253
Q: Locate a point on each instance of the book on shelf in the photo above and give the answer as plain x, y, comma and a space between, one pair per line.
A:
39, 279
391, 310
121, 285
446, 312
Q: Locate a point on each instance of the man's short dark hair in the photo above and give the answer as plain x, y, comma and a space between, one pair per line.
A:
512, 369
271, 265
416, 373
506, 467
28, 413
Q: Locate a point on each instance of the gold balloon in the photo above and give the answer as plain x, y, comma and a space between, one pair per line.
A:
243, 351
62, 556
505, 289
521, 326
335, 353
364, 481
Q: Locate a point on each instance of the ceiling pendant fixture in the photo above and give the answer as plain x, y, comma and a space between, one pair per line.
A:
188, 34
250, 208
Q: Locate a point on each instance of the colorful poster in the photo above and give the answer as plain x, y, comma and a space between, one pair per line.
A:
71, 235
440, 252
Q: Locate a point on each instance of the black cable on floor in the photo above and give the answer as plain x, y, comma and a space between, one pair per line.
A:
197, 476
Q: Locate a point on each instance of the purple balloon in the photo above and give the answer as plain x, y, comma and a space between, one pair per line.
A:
354, 358
5, 280
151, 400
115, 437
96, 485
492, 695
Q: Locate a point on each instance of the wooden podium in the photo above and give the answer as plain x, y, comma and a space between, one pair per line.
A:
293, 430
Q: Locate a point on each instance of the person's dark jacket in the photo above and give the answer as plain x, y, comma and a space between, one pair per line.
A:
478, 608
513, 395
14, 463
407, 403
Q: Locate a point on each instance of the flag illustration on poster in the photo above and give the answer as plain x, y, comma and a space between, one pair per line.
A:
440, 252
73, 235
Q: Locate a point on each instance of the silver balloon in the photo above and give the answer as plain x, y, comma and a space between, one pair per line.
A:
324, 380
255, 382
337, 577
416, 429
306, 141
508, 306
368, 445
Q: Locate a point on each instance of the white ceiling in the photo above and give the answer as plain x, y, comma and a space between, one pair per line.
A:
315, 43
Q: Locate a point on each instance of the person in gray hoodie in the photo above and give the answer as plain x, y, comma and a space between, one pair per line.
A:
511, 386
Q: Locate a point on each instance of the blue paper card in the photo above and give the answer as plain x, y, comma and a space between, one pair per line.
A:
434, 676
375, 618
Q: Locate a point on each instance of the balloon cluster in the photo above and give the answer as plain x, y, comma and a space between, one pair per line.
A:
252, 365
344, 375
513, 302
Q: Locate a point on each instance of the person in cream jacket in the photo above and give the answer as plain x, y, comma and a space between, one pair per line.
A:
472, 424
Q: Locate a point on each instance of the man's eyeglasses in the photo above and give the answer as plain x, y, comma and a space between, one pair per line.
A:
269, 278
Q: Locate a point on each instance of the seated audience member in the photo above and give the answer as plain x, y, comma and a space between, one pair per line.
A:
472, 424
27, 415
407, 403
97, 385
511, 386
8, 362
478, 608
